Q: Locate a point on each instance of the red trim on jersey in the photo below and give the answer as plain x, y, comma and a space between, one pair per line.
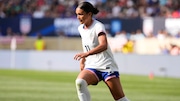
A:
101, 33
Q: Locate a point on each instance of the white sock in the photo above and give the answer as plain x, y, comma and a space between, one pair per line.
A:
82, 91
123, 99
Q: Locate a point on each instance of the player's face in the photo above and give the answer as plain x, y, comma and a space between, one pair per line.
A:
82, 16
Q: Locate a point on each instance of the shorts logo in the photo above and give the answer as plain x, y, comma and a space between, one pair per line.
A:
107, 67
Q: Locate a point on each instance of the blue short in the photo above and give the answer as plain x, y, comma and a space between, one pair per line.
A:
104, 75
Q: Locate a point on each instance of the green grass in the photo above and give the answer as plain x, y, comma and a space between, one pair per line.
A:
27, 85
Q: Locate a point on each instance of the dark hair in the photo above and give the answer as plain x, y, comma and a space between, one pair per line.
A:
88, 7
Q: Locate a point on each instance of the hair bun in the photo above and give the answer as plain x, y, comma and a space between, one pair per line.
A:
95, 11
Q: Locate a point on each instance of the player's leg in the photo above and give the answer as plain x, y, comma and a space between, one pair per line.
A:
116, 89
85, 78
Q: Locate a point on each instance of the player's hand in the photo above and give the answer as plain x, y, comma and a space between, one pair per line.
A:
82, 66
80, 56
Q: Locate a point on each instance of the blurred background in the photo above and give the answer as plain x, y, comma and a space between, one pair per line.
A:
144, 35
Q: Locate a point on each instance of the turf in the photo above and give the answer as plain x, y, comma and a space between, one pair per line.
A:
28, 85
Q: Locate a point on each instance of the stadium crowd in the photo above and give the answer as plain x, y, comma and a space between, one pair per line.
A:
108, 8
164, 42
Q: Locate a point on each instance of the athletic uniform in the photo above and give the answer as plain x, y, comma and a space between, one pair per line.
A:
103, 63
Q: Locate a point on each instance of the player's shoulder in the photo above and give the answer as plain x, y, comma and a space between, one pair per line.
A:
80, 27
98, 23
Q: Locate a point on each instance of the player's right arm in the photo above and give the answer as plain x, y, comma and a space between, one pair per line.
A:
82, 63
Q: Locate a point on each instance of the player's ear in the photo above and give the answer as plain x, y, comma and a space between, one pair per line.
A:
90, 13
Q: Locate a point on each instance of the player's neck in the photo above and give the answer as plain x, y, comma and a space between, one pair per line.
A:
88, 24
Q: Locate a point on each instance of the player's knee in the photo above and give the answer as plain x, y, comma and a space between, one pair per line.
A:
80, 83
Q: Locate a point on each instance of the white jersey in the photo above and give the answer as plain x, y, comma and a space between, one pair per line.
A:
102, 61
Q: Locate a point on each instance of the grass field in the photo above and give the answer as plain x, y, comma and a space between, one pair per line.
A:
26, 85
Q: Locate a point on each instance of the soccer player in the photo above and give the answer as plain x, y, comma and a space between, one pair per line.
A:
96, 60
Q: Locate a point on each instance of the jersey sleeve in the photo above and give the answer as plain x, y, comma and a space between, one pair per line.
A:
79, 29
100, 28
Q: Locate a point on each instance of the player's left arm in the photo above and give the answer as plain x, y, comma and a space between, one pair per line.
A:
103, 44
